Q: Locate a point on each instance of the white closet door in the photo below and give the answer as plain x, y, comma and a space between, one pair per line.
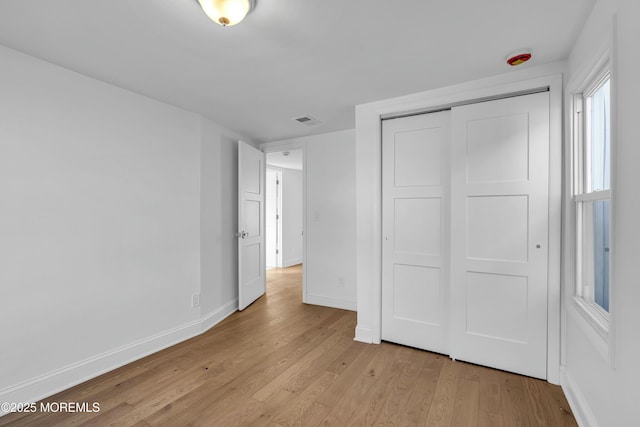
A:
499, 233
415, 231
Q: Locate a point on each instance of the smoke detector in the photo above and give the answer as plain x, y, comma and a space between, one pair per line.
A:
518, 57
307, 120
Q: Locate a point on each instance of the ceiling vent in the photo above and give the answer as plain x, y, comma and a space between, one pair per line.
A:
307, 120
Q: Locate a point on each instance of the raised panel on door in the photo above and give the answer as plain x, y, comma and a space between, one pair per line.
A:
499, 205
415, 230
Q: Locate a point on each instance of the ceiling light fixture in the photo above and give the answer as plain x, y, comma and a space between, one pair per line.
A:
227, 12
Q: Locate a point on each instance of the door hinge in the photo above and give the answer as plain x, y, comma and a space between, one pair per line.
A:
277, 182
277, 251
277, 216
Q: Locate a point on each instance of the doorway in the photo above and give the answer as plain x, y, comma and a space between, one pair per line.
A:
284, 223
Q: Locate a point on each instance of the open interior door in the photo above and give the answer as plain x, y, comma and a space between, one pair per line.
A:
251, 235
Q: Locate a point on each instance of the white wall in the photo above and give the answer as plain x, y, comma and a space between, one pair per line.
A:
291, 217
330, 233
219, 222
605, 392
210, 218
114, 210
329, 174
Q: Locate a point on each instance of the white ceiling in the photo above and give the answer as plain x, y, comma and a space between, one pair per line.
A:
289, 57
293, 160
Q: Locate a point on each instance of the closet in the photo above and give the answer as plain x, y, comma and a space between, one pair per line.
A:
465, 211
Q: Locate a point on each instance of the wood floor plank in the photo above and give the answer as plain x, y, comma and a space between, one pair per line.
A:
271, 407
246, 381
281, 363
465, 409
305, 410
294, 371
347, 357
441, 408
318, 367
354, 395
240, 415
395, 403
542, 405
419, 403
559, 403
382, 360
219, 398
385, 383
336, 393
490, 401
514, 405
312, 416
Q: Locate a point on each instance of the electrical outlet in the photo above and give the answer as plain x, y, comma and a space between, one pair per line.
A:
195, 300
341, 282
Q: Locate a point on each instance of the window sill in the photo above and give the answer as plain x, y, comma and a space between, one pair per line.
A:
595, 317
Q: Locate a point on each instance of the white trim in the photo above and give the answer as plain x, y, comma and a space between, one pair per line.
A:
579, 405
304, 222
218, 315
594, 315
554, 292
581, 80
291, 262
598, 79
275, 147
592, 196
55, 381
279, 172
589, 331
368, 189
613, 304
331, 302
589, 320
364, 335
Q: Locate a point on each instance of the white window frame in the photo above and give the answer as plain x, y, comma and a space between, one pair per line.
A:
595, 315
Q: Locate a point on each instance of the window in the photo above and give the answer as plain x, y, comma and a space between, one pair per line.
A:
592, 197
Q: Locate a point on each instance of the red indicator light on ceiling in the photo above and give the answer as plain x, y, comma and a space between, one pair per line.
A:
518, 59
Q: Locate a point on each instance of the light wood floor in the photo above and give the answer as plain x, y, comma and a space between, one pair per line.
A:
281, 363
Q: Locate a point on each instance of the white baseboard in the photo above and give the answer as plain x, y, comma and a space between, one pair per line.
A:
331, 302
579, 405
291, 262
217, 316
364, 335
61, 379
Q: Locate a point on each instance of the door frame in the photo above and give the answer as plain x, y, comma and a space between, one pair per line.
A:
278, 171
369, 189
276, 147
